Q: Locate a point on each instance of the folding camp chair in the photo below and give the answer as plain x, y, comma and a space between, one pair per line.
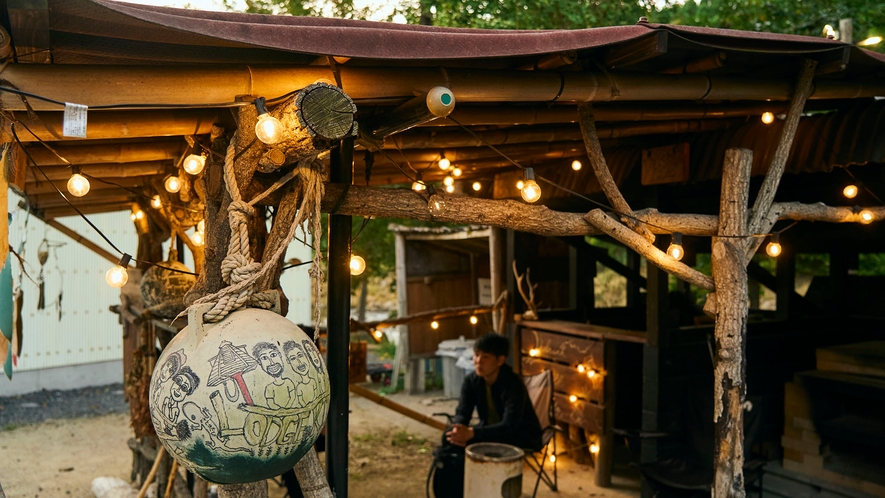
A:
540, 389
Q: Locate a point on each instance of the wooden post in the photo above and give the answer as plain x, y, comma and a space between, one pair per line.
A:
498, 272
730, 276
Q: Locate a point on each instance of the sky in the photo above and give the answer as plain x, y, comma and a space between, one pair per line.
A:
381, 9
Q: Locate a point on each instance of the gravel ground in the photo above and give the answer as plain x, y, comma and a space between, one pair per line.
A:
32, 408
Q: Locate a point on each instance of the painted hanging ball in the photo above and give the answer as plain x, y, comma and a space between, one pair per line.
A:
163, 289
240, 400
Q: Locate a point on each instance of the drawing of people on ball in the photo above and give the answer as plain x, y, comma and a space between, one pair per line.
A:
168, 370
184, 383
280, 393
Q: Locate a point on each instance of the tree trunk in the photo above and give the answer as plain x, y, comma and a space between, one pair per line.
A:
248, 490
730, 276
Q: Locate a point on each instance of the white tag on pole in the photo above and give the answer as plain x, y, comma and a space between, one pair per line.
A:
74, 122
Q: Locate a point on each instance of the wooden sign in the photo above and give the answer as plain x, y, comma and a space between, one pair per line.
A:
668, 164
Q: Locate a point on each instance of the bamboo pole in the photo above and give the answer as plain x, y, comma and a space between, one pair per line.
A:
153, 473
44, 187
105, 170
402, 410
597, 160
168, 85
156, 150
731, 310
655, 256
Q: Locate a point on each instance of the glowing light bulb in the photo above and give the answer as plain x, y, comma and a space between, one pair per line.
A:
552, 458
137, 215
866, 216
450, 188
850, 191
173, 184
675, 249
448, 180
456, 172
873, 40
767, 117
357, 265
829, 31
268, 129
477, 186
594, 448
434, 325
573, 398
436, 204
534, 352
156, 203
520, 184
530, 191
591, 374
198, 239
132, 217
201, 226
418, 186
377, 334
78, 185
194, 164
774, 248
576, 165
581, 368
444, 163
473, 320
118, 276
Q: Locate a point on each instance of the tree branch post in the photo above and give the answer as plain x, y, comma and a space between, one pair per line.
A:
597, 160
759, 216
731, 301
655, 256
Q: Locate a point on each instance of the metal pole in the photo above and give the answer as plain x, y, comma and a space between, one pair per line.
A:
338, 326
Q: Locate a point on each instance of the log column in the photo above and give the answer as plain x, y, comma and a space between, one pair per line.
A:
731, 301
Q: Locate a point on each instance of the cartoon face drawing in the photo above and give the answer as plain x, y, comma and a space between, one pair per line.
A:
184, 383
269, 358
170, 368
313, 354
296, 357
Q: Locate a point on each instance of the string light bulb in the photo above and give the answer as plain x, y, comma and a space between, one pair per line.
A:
552, 458
581, 368
534, 352
198, 239
444, 163
594, 448
767, 117
477, 186
201, 226
474, 320
117, 276
194, 164
774, 248
850, 191
573, 398
173, 184
78, 185
520, 184
435, 203
448, 180
137, 215
531, 191
591, 374
456, 172
866, 216
434, 325
675, 250
357, 265
450, 188
156, 203
377, 334
576, 165
268, 129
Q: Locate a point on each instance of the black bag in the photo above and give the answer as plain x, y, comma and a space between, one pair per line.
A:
447, 472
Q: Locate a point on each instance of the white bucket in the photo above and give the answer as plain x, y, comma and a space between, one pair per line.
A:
493, 469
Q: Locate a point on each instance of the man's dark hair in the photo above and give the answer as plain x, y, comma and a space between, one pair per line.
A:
493, 343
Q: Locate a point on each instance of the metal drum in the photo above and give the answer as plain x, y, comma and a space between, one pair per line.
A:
493, 469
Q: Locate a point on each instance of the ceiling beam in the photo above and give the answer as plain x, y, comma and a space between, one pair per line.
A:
47, 125
111, 170
118, 153
637, 50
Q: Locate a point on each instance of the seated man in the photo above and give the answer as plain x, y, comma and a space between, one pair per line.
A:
500, 398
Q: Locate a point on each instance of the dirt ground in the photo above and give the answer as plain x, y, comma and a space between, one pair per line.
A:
389, 455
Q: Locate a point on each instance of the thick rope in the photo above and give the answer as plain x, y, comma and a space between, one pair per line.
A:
238, 268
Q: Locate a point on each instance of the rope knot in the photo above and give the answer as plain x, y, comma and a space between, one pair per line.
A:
236, 268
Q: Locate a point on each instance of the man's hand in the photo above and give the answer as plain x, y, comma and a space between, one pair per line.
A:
460, 435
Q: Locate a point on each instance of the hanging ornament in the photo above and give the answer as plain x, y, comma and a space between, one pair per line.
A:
240, 400
42, 257
163, 288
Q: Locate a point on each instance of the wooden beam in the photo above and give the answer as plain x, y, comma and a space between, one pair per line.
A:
61, 212
655, 256
597, 160
83, 241
44, 187
47, 125
731, 310
402, 410
637, 50
109, 170
168, 85
157, 150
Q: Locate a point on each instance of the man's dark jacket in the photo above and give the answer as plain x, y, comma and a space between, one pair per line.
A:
519, 424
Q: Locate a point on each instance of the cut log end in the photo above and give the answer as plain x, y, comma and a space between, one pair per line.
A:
326, 111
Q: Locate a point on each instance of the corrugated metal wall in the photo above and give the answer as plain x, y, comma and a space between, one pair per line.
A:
87, 331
